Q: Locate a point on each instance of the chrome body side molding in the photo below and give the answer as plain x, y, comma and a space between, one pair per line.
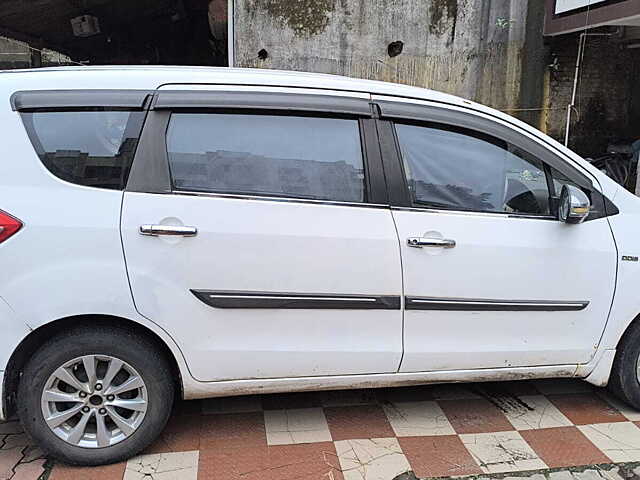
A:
428, 303
242, 299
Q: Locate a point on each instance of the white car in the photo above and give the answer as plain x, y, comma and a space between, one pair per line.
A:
198, 232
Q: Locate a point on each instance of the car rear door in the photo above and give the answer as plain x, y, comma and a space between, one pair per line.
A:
256, 231
491, 277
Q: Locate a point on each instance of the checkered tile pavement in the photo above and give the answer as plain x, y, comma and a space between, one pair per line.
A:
440, 430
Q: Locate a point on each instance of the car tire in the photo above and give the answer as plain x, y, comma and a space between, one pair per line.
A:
119, 424
624, 382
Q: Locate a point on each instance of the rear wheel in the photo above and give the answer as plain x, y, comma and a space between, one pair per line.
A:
95, 395
624, 381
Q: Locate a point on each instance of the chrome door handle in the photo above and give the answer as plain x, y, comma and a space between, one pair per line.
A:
174, 230
420, 242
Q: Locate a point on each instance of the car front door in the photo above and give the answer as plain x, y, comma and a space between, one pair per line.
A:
491, 277
257, 233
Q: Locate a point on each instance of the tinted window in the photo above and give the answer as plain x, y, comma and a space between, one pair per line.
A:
459, 169
308, 157
92, 148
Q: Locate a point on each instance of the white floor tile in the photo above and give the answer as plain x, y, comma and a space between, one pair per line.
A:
620, 441
501, 452
374, 459
163, 466
413, 419
536, 412
244, 404
561, 475
300, 425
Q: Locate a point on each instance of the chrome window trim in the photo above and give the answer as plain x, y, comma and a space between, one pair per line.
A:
240, 196
301, 297
473, 213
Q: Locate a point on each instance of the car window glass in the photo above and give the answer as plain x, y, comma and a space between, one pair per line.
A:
91, 148
454, 168
302, 157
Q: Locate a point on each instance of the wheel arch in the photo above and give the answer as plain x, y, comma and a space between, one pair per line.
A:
625, 333
603, 368
40, 335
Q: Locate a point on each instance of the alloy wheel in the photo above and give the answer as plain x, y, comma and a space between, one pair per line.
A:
94, 401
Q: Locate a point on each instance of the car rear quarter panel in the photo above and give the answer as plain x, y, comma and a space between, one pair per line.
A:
67, 260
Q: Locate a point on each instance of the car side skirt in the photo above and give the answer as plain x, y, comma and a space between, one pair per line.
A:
197, 390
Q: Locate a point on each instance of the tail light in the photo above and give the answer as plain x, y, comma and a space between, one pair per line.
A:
8, 225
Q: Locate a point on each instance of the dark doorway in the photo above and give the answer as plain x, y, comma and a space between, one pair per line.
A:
142, 32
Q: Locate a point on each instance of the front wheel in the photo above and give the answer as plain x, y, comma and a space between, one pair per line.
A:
95, 395
624, 381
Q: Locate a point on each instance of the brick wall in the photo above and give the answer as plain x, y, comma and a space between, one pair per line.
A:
607, 88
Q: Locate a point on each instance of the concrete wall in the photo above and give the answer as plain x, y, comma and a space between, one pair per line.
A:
15, 54
487, 50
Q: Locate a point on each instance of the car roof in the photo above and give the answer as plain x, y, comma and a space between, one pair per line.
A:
152, 77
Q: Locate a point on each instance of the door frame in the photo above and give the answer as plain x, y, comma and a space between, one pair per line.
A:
150, 172
419, 112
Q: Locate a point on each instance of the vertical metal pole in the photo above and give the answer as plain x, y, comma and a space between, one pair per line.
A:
230, 33
575, 90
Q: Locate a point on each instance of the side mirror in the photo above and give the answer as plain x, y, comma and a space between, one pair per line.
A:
574, 205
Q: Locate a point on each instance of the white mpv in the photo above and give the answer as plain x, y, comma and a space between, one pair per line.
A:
198, 232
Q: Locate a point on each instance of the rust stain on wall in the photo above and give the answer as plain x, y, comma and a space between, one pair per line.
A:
304, 17
352, 37
443, 17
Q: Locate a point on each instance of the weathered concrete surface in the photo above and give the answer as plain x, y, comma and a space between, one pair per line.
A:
15, 54
472, 48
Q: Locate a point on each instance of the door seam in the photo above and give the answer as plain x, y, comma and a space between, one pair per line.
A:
402, 296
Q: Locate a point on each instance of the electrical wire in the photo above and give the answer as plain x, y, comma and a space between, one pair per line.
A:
617, 167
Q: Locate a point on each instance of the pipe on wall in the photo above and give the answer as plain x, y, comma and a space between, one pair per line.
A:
230, 33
